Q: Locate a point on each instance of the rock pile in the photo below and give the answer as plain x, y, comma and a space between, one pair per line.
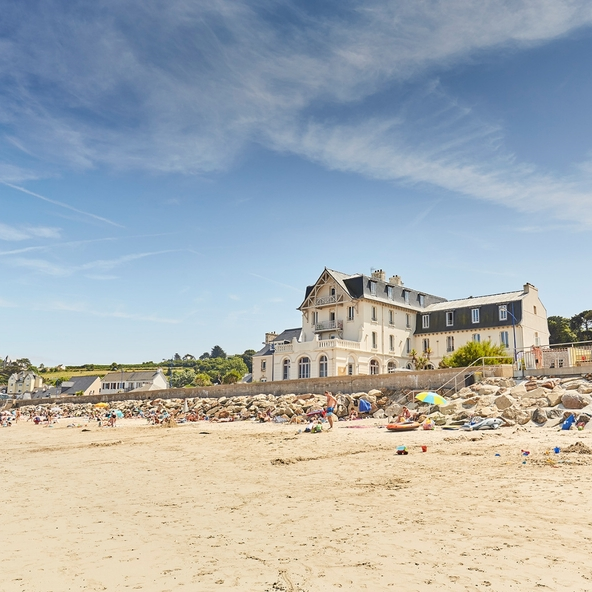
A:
542, 401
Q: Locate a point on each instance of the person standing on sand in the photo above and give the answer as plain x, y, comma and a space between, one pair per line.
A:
331, 404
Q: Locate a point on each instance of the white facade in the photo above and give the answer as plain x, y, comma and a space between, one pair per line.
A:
122, 382
24, 382
357, 325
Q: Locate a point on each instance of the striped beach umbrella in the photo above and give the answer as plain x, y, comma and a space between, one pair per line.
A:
431, 398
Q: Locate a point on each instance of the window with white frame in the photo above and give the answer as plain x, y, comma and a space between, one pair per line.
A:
390, 293
449, 318
391, 317
390, 367
503, 312
374, 340
304, 367
504, 339
331, 316
332, 291
425, 343
477, 337
475, 315
374, 314
408, 345
315, 318
374, 367
450, 343
406, 296
350, 313
391, 343
421, 299
373, 288
286, 370
425, 321
263, 365
408, 320
323, 367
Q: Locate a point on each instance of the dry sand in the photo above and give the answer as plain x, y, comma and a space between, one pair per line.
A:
259, 508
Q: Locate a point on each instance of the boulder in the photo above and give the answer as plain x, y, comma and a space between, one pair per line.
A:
487, 411
471, 402
518, 391
449, 409
393, 410
438, 418
555, 396
465, 392
585, 389
374, 393
520, 416
504, 401
380, 414
539, 416
530, 385
538, 392
573, 400
573, 385
486, 389
554, 413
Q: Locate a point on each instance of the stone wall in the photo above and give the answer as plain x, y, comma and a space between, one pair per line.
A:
420, 380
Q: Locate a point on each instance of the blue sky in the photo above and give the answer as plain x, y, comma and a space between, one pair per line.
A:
173, 174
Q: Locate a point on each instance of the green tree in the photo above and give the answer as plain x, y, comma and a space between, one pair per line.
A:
205, 356
581, 324
202, 379
560, 330
182, 379
232, 377
114, 366
247, 357
217, 352
216, 368
472, 351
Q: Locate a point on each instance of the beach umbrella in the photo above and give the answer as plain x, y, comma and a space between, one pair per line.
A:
431, 398
102, 405
119, 413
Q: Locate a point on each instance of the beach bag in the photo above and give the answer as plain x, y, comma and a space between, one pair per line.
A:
364, 406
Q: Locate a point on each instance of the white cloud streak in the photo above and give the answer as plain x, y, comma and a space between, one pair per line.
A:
185, 86
61, 204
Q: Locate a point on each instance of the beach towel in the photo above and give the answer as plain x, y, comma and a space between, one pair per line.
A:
364, 406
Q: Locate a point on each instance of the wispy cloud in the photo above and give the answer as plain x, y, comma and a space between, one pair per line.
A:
61, 204
184, 87
101, 265
276, 282
86, 309
19, 233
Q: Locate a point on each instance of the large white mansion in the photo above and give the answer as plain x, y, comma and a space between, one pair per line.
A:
358, 324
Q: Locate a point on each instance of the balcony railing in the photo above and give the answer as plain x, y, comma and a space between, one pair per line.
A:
284, 348
329, 300
328, 326
339, 343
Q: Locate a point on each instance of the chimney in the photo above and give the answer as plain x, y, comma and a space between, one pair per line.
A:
269, 337
379, 275
528, 286
396, 280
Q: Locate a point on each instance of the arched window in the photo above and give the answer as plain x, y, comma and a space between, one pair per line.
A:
323, 366
391, 367
374, 367
286, 369
304, 367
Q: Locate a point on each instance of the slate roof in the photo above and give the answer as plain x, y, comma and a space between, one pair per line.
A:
285, 336
141, 376
81, 383
358, 286
477, 301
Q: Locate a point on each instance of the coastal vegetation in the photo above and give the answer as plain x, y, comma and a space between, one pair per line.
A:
472, 351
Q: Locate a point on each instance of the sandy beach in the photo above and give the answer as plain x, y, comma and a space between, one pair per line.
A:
249, 506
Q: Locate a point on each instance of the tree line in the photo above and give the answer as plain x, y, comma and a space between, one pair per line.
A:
568, 330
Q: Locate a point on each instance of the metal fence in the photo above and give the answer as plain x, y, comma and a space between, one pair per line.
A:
577, 355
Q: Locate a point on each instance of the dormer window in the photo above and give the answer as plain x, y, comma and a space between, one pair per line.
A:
421, 300
503, 312
390, 292
449, 318
475, 316
406, 296
373, 288
425, 321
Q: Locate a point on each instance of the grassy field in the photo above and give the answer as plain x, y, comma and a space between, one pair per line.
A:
67, 374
